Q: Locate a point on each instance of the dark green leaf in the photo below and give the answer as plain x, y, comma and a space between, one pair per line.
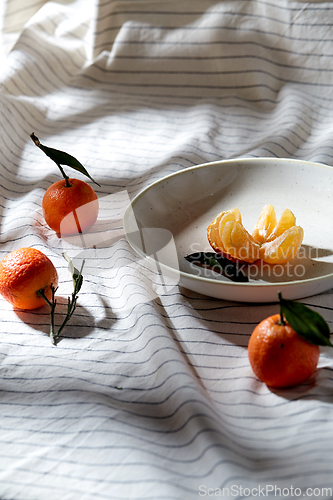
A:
78, 278
219, 264
62, 158
306, 322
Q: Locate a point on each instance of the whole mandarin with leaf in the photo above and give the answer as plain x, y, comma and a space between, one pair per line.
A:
279, 356
283, 349
70, 206
70, 209
24, 273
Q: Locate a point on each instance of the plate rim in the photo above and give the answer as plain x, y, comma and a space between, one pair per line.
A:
202, 279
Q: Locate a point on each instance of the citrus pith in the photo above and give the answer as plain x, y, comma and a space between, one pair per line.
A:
23, 273
70, 210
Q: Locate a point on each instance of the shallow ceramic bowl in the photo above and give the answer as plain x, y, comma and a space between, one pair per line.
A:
169, 220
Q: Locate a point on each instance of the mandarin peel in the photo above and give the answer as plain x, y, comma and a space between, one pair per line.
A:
272, 241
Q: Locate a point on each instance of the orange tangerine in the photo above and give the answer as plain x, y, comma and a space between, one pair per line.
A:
272, 241
23, 273
70, 210
279, 356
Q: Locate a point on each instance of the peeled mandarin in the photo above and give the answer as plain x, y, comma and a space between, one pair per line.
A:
271, 241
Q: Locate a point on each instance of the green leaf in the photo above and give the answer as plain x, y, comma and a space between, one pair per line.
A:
219, 264
70, 263
62, 158
306, 322
71, 302
78, 279
76, 274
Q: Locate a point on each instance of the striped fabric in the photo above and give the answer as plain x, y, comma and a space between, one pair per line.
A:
152, 397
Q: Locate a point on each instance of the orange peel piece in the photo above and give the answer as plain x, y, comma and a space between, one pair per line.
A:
271, 241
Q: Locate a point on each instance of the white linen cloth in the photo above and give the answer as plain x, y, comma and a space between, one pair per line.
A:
151, 397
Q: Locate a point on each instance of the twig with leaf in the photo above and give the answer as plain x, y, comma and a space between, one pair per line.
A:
62, 158
77, 278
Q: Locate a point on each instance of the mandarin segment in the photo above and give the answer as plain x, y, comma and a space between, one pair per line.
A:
284, 247
265, 225
213, 234
238, 243
287, 220
215, 229
271, 241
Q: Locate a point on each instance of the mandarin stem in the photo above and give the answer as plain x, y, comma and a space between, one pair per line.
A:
71, 305
67, 183
71, 302
281, 321
52, 306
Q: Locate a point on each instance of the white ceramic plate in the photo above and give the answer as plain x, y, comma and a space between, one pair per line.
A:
169, 219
